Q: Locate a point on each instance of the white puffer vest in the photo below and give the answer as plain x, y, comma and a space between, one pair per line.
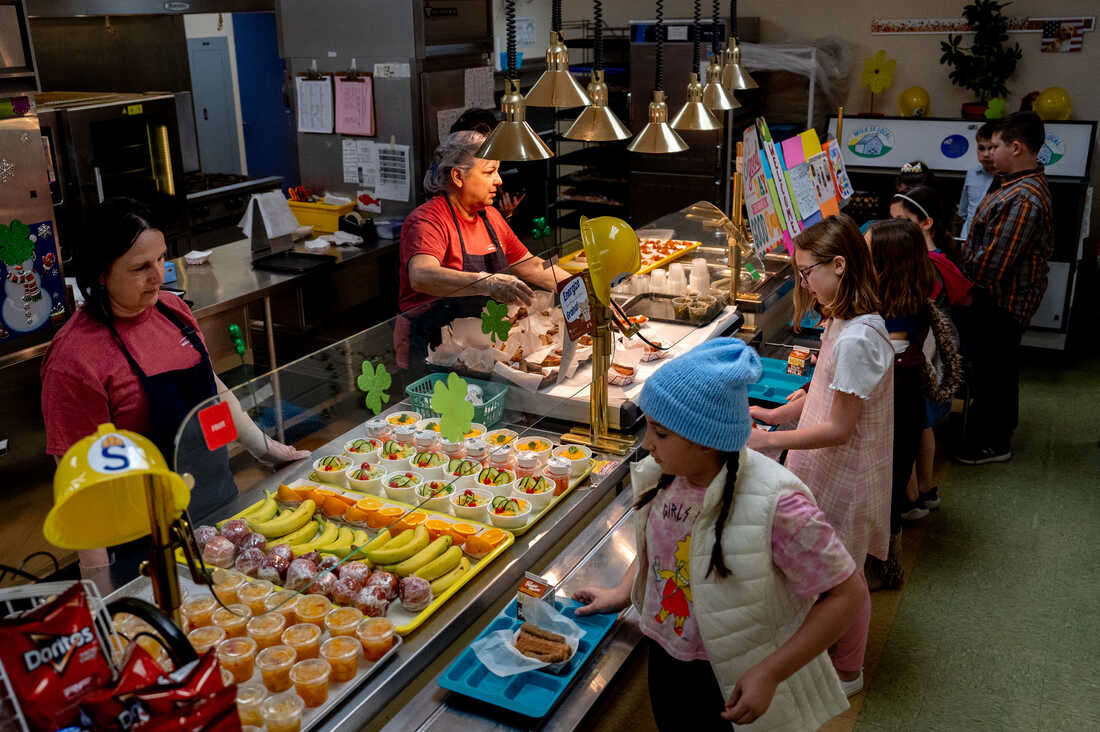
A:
746, 617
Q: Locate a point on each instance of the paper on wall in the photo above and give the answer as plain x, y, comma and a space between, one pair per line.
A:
445, 118
392, 71
355, 106
314, 104
525, 31
479, 87
393, 172
360, 162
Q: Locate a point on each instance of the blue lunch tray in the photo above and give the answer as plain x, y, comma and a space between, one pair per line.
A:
775, 384
532, 693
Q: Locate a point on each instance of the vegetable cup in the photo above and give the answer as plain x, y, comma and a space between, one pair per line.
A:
330, 469
471, 503
394, 456
435, 495
362, 449
536, 489
365, 477
508, 512
401, 486
578, 457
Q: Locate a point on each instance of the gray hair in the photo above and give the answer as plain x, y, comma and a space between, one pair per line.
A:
456, 150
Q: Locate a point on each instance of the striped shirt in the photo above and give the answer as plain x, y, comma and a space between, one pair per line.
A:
1011, 236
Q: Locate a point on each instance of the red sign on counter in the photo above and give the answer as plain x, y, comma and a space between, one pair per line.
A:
217, 425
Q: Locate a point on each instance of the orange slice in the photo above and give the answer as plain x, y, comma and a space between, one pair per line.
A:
334, 507
383, 517
477, 547
493, 536
286, 494
462, 532
436, 527
411, 521
320, 495
355, 514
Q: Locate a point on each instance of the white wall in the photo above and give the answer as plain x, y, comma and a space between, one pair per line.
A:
205, 25
539, 10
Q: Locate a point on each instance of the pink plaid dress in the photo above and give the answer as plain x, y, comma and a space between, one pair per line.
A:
851, 482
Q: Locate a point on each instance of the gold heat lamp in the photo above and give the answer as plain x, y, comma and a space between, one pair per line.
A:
513, 139
734, 77
556, 87
715, 95
694, 115
657, 136
597, 123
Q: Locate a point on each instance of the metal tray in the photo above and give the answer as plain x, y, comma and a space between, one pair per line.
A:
291, 262
656, 306
532, 693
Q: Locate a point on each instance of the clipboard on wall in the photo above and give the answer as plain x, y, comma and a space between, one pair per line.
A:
315, 101
354, 102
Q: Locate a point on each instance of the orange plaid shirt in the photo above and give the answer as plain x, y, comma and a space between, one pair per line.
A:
1010, 239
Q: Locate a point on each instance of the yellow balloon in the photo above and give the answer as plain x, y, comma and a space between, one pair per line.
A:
914, 102
1053, 104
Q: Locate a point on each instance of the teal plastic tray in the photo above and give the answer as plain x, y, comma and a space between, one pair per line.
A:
533, 693
776, 383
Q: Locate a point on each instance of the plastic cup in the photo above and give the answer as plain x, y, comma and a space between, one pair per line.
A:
226, 584
376, 635
204, 638
275, 664
253, 594
342, 653
238, 657
283, 712
283, 602
234, 619
313, 609
304, 638
199, 611
343, 621
227, 678
249, 698
310, 679
266, 629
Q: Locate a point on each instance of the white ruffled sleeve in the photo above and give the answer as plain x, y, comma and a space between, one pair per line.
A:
862, 358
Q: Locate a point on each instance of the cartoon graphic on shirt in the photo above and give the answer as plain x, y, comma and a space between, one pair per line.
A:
676, 593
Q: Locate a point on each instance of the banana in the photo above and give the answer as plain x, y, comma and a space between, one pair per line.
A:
302, 535
446, 581
342, 545
243, 514
329, 533
444, 563
265, 512
287, 522
362, 538
401, 539
376, 543
429, 553
391, 554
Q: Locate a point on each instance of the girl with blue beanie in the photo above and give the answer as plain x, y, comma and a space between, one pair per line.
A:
842, 448
741, 583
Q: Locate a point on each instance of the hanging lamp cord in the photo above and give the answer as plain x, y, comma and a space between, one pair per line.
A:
597, 18
659, 32
715, 20
510, 22
733, 19
695, 38
555, 16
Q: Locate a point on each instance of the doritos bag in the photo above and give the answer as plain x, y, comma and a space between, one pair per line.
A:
200, 681
53, 659
213, 713
117, 707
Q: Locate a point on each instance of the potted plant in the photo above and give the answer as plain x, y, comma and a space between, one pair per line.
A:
988, 63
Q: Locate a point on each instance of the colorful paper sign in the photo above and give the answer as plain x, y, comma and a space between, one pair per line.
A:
218, 429
455, 413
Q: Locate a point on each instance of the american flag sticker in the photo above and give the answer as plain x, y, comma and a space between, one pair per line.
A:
1063, 35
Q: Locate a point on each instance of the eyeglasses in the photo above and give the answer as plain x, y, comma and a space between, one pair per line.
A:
805, 272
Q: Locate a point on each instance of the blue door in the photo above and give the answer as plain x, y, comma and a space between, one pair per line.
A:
269, 142
215, 116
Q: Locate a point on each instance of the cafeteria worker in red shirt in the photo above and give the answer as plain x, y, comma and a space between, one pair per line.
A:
457, 251
133, 355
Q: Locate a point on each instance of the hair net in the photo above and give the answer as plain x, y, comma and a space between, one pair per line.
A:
456, 150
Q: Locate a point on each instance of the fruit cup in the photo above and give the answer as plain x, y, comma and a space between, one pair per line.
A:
238, 657
199, 610
226, 584
313, 609
283, 712
343, 620
342, 653
249, 698
310, 679
282, 602
376, 635
204, 638
266, 629
253, 593
234, 618
304, 638
275, 664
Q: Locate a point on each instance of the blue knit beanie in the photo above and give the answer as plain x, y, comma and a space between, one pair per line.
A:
702, 395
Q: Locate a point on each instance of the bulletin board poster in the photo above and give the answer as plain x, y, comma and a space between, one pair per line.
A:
34, 289
763, 220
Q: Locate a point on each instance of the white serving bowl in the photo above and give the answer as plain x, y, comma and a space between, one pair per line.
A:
472, 513
496, 438
538, 500
434, 472
577, 465
356, 457
406, 494
538, 445
396, 465
332, 477
373, 485
517, 521
397, 419
442, 500
497, 489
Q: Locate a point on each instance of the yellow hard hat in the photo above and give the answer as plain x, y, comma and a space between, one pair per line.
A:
611, 248
914, 102
99, 490
1053, 104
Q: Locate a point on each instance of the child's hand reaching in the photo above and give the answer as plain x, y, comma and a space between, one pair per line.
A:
761, 414
751, 696
600, 600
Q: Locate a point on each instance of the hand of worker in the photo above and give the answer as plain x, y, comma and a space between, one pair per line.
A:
752, 695
278, 453
507, 289
508, 204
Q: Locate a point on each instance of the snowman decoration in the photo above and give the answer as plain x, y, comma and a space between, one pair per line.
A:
26, 306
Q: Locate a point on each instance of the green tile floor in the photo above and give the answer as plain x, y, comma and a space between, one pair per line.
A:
999, 622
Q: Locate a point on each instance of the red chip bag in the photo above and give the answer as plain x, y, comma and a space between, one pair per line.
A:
117, 707
201, 681
53, 659
215, 712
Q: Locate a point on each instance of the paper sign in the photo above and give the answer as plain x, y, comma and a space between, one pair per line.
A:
393, 172
355, 106
810, 144
392, 71
823, 185
278, 219
840, 174
314, 104
217, 425
575, 308
479, 87
444, 118
774, 170
762, 217
801, 182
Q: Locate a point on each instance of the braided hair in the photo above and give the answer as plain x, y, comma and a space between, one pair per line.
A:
732, 462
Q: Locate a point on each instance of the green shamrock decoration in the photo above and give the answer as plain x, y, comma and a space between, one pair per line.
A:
15, 244
494, 321
455, 413
995, 108
375, 382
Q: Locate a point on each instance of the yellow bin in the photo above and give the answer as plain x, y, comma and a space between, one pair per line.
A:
324, 219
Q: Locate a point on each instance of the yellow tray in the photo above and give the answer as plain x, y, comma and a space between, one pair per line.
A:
569, 264
476, 565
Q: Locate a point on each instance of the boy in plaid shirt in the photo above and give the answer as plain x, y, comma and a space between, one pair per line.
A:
1005, 255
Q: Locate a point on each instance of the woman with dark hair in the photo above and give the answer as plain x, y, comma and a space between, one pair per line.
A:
133, 356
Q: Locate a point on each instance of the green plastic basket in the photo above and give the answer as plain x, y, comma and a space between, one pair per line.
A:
489, 413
